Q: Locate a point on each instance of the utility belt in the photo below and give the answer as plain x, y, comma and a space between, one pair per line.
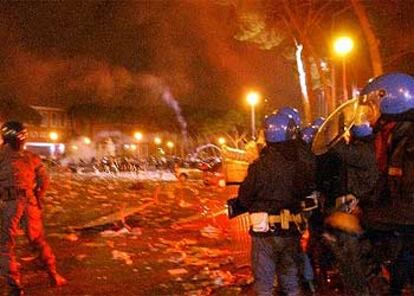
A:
12, 193
263, 222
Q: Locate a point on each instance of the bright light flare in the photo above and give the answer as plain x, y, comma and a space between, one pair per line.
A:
138, 136
87, 141
54, 136
253, 98
157, 141
222, 141
343, 45
170, 144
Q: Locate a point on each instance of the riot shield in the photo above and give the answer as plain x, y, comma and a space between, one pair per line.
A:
339, 122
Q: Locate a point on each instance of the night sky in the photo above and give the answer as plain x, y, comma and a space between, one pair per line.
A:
126, 53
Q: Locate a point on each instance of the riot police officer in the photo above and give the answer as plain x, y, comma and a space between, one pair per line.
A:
272, 192
23, 182
392, 216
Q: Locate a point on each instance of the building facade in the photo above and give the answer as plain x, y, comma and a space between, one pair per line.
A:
50, 136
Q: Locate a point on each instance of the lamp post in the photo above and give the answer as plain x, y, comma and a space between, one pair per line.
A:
343, 46
253, 98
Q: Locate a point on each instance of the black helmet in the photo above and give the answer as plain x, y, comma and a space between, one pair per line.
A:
14, 133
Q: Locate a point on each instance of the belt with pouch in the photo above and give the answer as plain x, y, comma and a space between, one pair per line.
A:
263, 222
285, 218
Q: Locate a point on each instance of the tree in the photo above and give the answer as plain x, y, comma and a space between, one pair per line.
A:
372, 41
207, 125
286, 25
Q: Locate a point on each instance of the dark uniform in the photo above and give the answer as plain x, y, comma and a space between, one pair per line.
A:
391, 220
361, 173
352, 249
280, 179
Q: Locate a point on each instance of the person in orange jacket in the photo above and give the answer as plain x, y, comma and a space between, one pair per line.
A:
23, 183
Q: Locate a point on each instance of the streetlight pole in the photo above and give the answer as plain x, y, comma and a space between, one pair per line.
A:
343, 46
344, 84
253, 123
253, 98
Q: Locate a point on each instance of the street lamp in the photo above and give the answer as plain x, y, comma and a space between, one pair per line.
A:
87, 141
53, 136
170, 145
138, 136
343, 46
253, 98
157, 141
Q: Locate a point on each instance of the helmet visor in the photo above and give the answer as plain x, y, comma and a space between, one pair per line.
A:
355, 111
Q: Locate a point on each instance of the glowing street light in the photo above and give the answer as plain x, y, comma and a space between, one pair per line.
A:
87, 141
221, 141
170, 144
138, 136
54, 136
343, 46
157, 141
252, 99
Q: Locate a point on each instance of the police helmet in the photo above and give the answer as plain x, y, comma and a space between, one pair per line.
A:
279, 128
308, 133
317, 123
361, 130
394, 91
13, 133
294, 113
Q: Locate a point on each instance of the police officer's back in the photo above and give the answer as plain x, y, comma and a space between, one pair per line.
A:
272, 192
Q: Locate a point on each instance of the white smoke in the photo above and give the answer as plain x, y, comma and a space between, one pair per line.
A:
81, 148
172, 103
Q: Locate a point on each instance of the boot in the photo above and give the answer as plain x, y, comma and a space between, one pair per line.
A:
16, 292
57, 280
16, 288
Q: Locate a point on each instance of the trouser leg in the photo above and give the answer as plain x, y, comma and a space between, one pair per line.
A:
287, 265
263, 265
348, 256
11, 216
36, 236
402, 269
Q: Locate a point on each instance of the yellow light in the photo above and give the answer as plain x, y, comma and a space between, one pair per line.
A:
343, 45
170, 144
53, 136
133, 147
138, 136
86, 140
252, 98
222, 141
74, 147
157, 141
